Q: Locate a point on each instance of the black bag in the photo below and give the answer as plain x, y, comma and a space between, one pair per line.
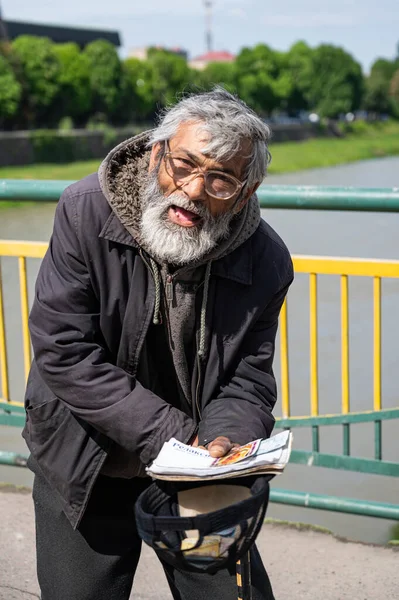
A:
202, 527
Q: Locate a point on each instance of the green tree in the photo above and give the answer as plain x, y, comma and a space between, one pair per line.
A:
337, 82
10, 91
384, 67
394, 93
74, 98
105, 71
139, 101
222, 73
283, 82
170, 75
377, 97
39, 70
299, 68
258, 70
258, 91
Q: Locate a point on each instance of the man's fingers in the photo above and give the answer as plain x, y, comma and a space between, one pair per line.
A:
220, 447
194, 442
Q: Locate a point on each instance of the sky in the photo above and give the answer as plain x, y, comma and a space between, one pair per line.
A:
365, 28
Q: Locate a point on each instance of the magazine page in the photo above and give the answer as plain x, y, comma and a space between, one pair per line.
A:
178, 460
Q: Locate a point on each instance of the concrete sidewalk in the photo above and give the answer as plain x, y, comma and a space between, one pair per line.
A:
302, 564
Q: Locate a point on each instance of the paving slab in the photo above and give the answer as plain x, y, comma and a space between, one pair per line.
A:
303, 563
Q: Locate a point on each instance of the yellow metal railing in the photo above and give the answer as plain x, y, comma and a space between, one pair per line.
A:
344, 267
311, 265
21, 250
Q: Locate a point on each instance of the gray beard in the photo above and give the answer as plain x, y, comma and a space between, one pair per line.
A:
172, 243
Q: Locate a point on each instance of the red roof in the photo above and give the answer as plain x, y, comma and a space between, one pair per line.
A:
216, 56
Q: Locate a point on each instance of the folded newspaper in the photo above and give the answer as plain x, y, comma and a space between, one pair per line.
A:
177, 461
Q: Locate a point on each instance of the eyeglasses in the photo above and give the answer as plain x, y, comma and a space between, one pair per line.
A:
182, 170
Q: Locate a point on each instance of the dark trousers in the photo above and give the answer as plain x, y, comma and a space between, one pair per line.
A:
99, 559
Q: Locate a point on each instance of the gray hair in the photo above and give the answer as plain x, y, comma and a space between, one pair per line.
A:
228, 122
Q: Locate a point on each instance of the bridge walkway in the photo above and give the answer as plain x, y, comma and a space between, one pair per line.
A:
303, 564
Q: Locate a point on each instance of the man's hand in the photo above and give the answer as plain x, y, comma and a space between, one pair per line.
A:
219, 447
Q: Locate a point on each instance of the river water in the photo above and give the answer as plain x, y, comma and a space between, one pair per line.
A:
367, 235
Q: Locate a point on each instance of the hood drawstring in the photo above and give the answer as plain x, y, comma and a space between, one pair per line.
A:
155, 271
201, 350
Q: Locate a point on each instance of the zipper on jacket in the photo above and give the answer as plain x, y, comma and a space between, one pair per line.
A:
198, 386
169, 294
169, 289
199, 365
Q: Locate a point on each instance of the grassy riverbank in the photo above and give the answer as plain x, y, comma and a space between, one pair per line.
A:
362, 142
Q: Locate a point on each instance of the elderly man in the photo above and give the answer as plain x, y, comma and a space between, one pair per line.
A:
155, 316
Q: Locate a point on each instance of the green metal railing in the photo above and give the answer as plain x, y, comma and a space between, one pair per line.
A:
315, 458
270, 196
304, 197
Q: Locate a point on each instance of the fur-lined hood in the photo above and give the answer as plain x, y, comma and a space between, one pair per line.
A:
122, 174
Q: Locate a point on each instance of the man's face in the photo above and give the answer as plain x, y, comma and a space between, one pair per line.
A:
181, 222
187, 144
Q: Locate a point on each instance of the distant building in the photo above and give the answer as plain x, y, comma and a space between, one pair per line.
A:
58, 34
142, 53
200, 62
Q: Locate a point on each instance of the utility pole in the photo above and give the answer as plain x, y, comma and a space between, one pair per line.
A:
3, 30
208, 24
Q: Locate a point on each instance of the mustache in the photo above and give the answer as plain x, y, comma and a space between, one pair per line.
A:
183, 202
154, 196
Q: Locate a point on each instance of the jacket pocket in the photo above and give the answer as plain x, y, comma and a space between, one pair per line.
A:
44, 412
43, 408
43, 420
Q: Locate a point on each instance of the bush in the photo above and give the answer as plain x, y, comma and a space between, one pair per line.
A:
357, 127
394, 534
65, 124
49, 146
99, 123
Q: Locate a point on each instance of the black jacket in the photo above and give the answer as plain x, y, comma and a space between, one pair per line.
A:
92, 310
